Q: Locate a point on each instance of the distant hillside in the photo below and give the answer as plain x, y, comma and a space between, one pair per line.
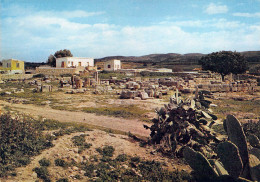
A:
173, 58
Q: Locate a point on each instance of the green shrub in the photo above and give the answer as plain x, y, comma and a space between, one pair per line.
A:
80, 142
121, 158
42, 173
63, 180
20, 139
106, 151
44, 162
24, 161
60, 162
40, 75
89, 169
135, 159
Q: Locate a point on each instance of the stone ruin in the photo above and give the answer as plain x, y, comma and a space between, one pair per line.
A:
148, 88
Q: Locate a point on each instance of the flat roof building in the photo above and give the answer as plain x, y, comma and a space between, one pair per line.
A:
13, 66
67, 62
112, 65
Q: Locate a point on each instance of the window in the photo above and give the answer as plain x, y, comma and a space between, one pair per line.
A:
17, 65
108, 66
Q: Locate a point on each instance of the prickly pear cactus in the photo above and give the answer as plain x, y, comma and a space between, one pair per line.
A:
254, 165
199, 164
230, 158
253, 140
182, 123
237, 136
255, 152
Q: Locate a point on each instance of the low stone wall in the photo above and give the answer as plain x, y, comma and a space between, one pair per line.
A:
15, 76
240, 86
55, 71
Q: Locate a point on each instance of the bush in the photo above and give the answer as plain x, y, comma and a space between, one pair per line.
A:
20, 139
42, 173
24, 161
60, 162
135, 159
44, 162
106, 151
40, 75
80, 142
121, 158
63, 180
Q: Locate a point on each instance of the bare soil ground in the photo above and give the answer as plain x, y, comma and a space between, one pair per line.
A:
127, 125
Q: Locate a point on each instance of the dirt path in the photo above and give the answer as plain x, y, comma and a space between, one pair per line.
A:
133, 125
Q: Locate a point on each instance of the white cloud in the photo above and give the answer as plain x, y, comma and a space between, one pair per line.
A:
214, 23
216, 9
248, 15
34, 36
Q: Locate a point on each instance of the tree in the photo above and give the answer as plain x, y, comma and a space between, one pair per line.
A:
63, 53
224, 62
58, 54
51, 61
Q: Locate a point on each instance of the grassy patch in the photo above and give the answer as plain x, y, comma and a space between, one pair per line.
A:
131, 111
108, 75
228, 106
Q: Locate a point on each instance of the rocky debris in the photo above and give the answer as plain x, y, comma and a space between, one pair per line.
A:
76, 91
45, 88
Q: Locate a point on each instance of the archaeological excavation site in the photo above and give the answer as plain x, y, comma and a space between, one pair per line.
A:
129, 91
111, 122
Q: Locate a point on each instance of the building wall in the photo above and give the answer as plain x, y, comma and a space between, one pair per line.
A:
13, 66
112, 65
67, 62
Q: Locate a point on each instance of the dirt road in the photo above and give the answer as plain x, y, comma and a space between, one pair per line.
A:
133, 125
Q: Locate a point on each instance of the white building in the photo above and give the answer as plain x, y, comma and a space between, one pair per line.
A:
112, 65
66, 62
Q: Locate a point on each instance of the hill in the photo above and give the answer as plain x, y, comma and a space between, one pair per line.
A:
177, 62
251, 56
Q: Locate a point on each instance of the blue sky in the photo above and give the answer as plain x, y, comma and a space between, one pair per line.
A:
31, 30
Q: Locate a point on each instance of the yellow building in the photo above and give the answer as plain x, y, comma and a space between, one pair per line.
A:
13, 66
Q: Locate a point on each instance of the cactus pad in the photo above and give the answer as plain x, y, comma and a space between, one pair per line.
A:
199, 163
237, 136
229, 156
